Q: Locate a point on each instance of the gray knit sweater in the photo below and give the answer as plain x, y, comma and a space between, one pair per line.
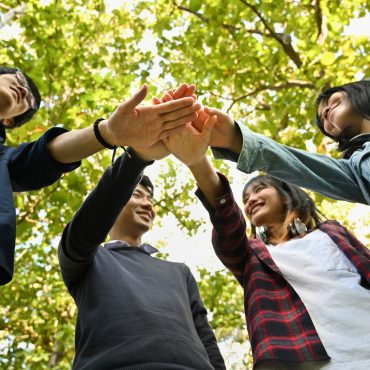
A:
135, 312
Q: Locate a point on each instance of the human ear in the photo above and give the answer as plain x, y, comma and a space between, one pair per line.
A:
8, 122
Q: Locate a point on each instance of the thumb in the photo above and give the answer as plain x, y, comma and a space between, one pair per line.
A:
222, 118
213, 111
129, 105
207, 128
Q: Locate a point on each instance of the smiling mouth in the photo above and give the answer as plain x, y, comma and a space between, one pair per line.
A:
145, 215
256, 208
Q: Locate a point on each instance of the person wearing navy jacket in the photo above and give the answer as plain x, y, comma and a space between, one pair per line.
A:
34, 165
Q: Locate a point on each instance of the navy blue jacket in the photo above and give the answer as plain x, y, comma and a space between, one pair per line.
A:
26, 167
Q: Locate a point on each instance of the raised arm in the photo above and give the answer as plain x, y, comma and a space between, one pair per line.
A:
92, 222
346, 179
229, 233
334, 178
130, 125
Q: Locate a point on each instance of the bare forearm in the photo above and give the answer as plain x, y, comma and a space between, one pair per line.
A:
208, 180
74, 145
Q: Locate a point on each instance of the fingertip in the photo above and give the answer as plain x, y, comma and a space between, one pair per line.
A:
180, 91
168, 96
197, 106
144, 87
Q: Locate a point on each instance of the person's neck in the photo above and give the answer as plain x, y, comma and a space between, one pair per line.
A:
276, 233
129, 239
365, 127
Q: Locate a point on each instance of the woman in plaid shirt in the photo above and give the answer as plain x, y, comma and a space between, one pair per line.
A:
306, 282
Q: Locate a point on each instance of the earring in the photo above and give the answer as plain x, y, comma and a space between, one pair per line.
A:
297, 228
263, 233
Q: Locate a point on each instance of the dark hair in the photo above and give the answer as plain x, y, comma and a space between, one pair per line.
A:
297, 202
26, 116
358, 94
145, 181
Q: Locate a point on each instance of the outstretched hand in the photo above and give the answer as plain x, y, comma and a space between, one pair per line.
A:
190, 146
143, 126
224, 132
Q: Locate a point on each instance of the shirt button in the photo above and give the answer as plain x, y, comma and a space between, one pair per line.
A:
222, 201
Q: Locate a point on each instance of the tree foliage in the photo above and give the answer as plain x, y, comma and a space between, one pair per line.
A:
263, 61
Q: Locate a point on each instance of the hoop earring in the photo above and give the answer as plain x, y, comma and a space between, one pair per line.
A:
263, 233
297, 228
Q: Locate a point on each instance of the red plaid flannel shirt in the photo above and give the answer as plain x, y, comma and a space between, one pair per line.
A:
279, 325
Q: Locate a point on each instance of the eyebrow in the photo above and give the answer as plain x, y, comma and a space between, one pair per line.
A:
143, 192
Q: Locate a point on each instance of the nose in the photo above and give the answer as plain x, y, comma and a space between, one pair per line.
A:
23, 91
249, 203
325, 113
147, 204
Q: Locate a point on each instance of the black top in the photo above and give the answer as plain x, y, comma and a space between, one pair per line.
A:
134, 311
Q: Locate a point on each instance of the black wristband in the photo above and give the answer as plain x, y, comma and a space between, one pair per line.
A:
104, 143
99, 137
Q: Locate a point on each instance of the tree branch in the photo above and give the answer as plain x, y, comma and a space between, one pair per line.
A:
322, 30
284, 40
278, 87
227, 26
7, 17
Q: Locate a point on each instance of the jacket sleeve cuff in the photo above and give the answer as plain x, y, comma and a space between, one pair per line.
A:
222, 201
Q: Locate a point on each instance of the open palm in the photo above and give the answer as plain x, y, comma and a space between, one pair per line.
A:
189, 145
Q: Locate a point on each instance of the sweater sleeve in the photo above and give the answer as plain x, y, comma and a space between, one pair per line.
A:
92, 222
334, 178
202, 325
32, 167
229, 238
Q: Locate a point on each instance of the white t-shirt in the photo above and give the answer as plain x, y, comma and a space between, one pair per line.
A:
329, 286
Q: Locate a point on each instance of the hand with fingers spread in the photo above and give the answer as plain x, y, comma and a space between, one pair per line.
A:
225, 134
189, 145
140, 126
184, 90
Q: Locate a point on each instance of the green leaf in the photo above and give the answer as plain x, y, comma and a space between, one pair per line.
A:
195, 5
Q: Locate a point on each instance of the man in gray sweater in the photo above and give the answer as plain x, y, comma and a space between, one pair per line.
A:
135, 311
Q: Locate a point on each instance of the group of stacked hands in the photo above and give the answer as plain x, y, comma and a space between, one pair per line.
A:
139, 312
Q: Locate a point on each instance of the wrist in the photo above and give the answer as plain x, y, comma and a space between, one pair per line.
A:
141, 155
102, 134
234, 140
198, 165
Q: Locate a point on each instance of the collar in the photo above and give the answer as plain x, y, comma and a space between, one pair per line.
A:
2, 134
121, 244
350, 146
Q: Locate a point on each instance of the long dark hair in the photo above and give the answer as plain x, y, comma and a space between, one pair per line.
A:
28, 114
297, 203
358, 94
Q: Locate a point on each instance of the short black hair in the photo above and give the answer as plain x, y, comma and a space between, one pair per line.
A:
358, 94
145, 181
26, 116
296, 200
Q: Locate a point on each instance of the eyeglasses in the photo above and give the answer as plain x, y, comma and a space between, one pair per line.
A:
21, 78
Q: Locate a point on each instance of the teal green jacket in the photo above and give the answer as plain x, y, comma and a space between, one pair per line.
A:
344, 179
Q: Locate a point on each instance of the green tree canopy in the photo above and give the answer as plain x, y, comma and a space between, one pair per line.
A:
263, 61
